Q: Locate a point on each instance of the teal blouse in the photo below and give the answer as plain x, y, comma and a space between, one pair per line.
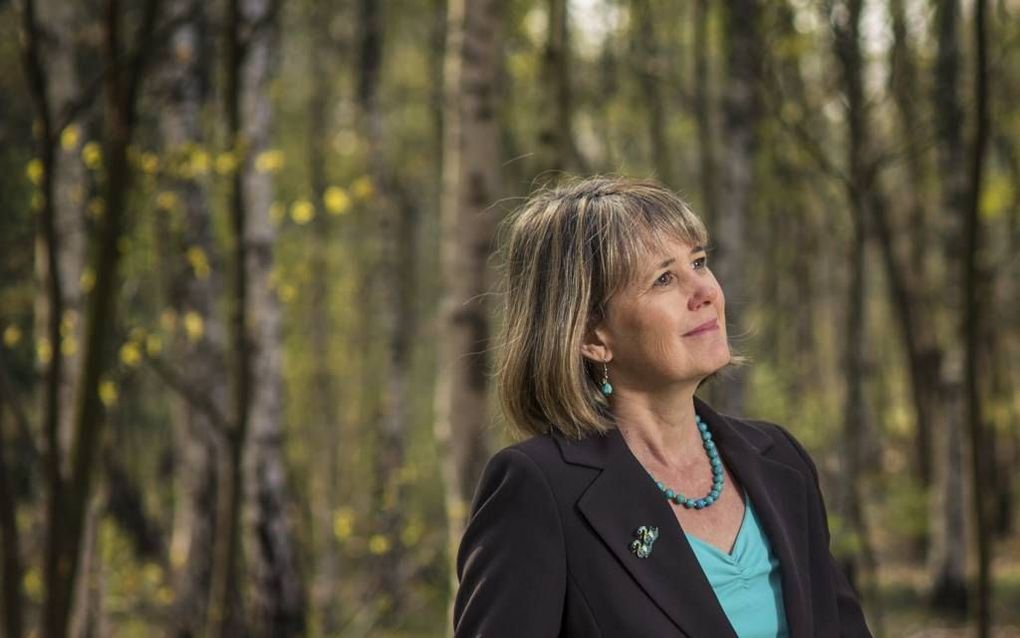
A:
747, 581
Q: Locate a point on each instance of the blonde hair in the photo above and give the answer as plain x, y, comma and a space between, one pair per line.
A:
565, 253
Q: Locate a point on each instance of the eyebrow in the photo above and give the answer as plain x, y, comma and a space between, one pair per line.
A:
696, 249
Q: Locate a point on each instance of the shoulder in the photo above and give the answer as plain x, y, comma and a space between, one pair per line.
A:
780, 442
532, 462
520, 469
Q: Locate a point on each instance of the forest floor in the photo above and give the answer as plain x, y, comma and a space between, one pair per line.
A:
907, 613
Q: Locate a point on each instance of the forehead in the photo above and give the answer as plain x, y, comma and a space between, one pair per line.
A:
659, 252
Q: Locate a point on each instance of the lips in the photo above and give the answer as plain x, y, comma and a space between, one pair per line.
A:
708, 326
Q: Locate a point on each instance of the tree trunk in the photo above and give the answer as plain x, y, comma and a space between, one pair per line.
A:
50, 302
191, 289
471, 176
557, 150
949, 592
908, 294
973, 280
703, 113
948, 554
329, 394
122, 87
11, 571
394, 276
740, 122
279, 597
60, 21
845, 17
224, 617
650, 71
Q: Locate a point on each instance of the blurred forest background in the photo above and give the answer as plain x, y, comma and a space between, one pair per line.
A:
246, 257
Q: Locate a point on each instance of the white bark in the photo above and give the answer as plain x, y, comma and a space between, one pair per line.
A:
278, 593
470, 187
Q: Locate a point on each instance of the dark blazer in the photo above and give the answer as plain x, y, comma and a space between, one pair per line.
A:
546, 549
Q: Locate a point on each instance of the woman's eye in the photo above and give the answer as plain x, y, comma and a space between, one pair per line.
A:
700, 262
664, 279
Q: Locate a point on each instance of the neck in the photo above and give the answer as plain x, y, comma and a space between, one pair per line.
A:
660, 431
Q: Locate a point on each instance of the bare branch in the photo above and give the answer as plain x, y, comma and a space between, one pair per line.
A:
194, 397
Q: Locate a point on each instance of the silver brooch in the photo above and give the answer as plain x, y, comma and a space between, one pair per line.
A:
643, 539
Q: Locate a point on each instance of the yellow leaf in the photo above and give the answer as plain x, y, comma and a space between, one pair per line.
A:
87, 281
226, 163
378, 544
198, 162
68, 346
130, 355
149, 163
68, 323
194, 326
302, 211
269, 161
43, 350
69, 137
996, 196
108, 393
34, 170
337, 200
12, 336
153, 345
166, 200
287, 293
33, 583
412, 533
153, 574
168, 319
97, 207
343, 523
363, 187
92, 155
199, 262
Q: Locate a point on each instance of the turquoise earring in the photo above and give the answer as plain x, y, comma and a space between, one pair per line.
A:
606, 388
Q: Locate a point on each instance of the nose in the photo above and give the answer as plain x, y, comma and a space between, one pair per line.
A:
704, 293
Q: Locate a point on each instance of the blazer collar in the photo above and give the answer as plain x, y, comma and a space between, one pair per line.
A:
623, 497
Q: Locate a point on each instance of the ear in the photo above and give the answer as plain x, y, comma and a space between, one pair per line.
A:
595, 346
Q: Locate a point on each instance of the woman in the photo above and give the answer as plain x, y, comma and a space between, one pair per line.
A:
634, 509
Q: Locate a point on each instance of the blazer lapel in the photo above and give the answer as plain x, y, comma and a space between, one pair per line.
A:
621, 499
780, 499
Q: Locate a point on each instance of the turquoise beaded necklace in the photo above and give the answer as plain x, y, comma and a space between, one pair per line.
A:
717, 474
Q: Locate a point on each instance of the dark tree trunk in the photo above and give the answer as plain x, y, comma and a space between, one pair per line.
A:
703, 113
557, 149
949, 590
191, 285
974, 288
121, 88
845, 17
741, 110
10, 546
906, 292
650, 71
224, 617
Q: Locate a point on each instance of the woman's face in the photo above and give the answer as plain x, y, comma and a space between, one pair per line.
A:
668, 326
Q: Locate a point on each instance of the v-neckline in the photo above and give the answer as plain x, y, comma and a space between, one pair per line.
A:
730, 556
